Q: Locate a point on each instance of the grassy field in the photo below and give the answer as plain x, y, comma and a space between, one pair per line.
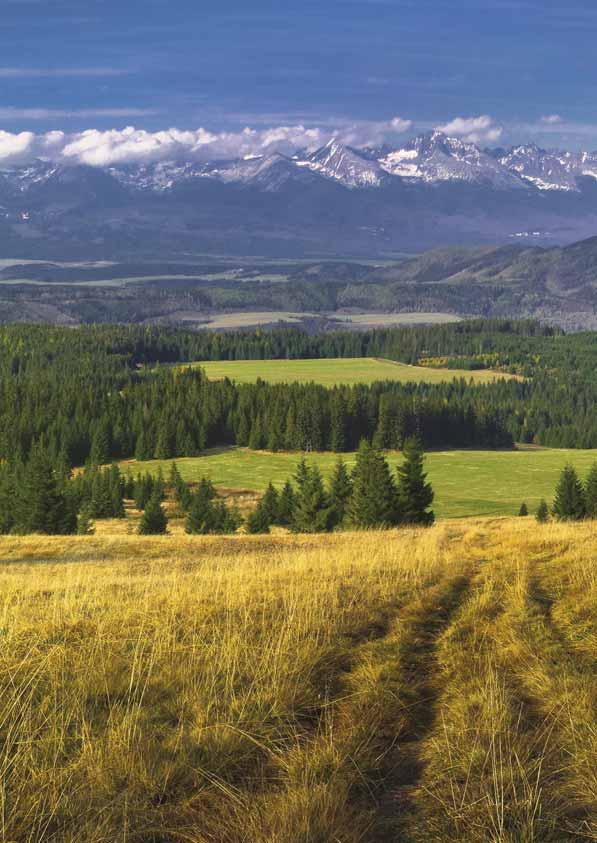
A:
414, 686
466, 483
329, 372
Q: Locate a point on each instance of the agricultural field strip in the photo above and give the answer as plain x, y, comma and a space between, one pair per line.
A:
336, 371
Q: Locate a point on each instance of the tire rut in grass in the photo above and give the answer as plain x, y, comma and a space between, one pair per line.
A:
561, 683
419, 692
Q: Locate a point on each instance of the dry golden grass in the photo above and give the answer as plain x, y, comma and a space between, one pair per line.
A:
415, 685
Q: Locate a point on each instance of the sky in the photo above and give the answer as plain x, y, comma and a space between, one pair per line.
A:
109, 80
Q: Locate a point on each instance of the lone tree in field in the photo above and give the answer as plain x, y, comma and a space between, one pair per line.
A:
523, 511
415, 494
591, 492
569, 503
154, 521
542, 515
373, 502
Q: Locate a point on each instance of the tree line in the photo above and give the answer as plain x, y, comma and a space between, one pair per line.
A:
39, 497
368, 497
96, 394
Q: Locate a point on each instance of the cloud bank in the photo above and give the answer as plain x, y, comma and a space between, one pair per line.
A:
138, 146
116, 147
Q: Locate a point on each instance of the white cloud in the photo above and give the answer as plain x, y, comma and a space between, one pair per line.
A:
11, 113
552, 119
16, 148
481, 129
130, 145
58, 72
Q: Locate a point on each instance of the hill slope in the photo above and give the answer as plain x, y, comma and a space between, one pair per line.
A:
293, 688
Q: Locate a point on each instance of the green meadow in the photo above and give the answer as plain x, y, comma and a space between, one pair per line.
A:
329, 372
466, 483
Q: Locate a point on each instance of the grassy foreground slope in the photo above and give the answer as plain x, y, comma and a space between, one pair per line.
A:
332, 371
413, 686
466, 483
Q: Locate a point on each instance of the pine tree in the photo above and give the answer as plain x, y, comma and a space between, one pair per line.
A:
415, 495
142, 449
100, 446
258, 521
154, 521
100, 503
129, 485
542, 515
116, 491
159, 486
164, 448
340, 492
256, 438
200, 513
270, 503
523, 511
285, 505
312, 511
591, 492
7, 498
373, 500
338, 424
43, 505
569, 503
85, 525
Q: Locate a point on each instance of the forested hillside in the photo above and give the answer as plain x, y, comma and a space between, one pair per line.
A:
103, 393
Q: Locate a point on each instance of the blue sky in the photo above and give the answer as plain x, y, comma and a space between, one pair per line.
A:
222, 65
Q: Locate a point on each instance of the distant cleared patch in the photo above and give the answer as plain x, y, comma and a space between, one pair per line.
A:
329, 372
381, 320
249, 319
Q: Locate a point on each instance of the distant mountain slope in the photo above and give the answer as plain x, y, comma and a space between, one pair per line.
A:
335, 201
556, 284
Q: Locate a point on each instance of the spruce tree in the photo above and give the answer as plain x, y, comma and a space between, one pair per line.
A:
43, 504
285, 505
373, 500
7, 498
340, 492
415, 494
116, 491
200, 513
85, 525
523, 511
591, 492
270, 503
100, 446
542, 515
154, 521
256, 438
569, 503
312, 511
142, 449
258, 521
338, 424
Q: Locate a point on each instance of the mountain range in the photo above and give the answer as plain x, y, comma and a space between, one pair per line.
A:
338, 200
